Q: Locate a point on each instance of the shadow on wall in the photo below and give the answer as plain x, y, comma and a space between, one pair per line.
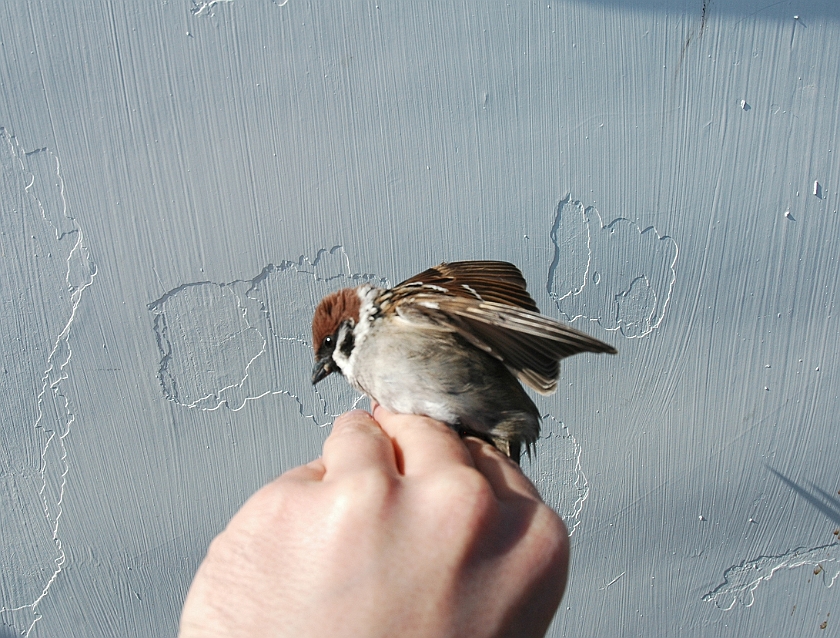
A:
827, 504
747, 8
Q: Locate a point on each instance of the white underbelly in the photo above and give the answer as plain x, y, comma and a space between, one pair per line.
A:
406, 370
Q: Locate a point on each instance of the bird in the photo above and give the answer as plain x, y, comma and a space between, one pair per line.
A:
452, 343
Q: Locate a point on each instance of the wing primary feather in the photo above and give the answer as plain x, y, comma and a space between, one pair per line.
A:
529, 344
531, 323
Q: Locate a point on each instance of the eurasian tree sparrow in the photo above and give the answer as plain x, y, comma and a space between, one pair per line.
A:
450, 343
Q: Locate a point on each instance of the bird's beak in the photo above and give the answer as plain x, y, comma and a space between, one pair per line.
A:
324, 367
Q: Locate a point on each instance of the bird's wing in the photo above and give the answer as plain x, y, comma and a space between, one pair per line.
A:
496, 281
530, 344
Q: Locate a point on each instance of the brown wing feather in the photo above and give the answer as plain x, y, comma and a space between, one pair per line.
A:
497, 281
530, 344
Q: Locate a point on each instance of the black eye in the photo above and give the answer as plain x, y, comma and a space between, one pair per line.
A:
327, 342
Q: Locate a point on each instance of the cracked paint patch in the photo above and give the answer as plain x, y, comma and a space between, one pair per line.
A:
46, 268
556, 470
741, 581
205, 7
618, 274
223, 344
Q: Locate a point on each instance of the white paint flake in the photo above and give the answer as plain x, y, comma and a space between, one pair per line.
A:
740, 581
45, 282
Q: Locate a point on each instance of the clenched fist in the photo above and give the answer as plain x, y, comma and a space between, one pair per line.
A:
401, 528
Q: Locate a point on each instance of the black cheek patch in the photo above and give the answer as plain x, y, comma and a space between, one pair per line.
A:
346, 346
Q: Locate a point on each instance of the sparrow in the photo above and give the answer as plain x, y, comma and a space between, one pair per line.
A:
451, 343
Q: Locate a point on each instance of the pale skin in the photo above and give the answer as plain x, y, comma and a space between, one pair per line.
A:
401, 528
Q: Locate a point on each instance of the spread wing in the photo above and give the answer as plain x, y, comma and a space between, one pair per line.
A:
496, 281
530, 344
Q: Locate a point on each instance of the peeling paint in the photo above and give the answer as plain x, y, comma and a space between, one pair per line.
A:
741, 581
618, 274
223, 344
206, 7
48, 269
556, 469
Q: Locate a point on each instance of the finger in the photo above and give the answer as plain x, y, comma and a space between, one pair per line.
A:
422, 444
357, 443
505, 477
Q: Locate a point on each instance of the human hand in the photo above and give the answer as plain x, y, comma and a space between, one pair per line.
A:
401, 528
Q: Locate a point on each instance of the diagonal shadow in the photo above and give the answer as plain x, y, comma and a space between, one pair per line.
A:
826, 503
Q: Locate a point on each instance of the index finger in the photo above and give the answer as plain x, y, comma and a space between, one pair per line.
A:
357, 443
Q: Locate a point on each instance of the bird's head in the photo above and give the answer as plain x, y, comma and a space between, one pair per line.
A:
332, 331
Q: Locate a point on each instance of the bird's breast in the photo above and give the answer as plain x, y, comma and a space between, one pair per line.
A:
437, 373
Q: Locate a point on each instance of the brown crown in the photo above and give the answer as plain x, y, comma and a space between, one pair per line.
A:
333, 309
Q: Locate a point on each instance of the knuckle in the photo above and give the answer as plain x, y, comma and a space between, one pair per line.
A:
368, 486
549, 532
467, 494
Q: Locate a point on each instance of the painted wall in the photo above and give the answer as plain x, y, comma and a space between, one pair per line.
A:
182, 181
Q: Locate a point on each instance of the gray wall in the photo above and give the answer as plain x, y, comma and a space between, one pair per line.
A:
182, 182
